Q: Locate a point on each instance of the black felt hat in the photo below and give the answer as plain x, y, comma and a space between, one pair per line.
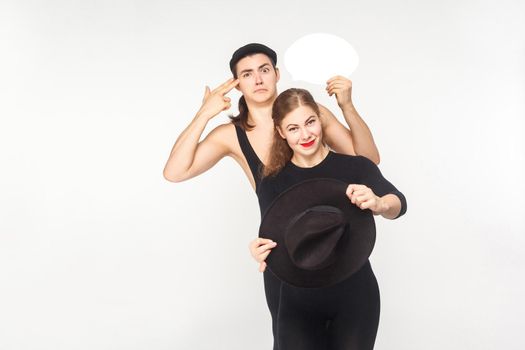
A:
251, 49
322, 238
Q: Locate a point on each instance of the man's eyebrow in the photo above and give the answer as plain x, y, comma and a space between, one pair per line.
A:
245, 70
251, 70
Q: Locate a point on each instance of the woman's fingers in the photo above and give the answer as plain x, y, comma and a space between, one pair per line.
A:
261, 241
262, 257
266, 247
360, 199
357, 199
261, 247
353, 188
359, 194
364, 198
367, 204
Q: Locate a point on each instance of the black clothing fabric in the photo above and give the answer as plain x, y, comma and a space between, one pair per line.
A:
251, 157
342, 316
349, 169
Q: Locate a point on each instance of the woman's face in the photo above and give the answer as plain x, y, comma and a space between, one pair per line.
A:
303, 131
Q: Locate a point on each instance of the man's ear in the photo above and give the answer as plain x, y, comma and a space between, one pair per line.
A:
237, 86
280, 132
278, 74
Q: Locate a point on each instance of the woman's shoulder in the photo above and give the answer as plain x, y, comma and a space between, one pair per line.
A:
349, 158
357, 161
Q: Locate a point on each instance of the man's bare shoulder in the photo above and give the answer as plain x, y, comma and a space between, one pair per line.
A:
223, 131
325, 112
225, 135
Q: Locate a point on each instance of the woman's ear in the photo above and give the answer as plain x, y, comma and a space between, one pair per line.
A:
280, 132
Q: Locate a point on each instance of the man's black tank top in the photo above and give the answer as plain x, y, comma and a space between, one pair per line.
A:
251, 157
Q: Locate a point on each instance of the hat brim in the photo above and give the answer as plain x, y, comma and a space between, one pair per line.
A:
352, 250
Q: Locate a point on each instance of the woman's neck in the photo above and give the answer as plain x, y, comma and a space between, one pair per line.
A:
312, 160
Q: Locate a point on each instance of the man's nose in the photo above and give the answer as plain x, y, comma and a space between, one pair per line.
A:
258, 78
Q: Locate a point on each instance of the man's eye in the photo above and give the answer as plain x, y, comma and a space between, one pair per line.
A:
266, 70
246, 75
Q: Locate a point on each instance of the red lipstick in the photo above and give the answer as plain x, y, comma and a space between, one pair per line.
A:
308, 144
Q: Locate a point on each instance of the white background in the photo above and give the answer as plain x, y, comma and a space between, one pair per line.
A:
98, 251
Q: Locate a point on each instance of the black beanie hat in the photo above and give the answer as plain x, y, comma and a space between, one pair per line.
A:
251, 49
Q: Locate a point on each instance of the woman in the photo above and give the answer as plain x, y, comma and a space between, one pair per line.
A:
346, 314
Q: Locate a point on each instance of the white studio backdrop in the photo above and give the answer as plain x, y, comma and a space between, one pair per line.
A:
98, 251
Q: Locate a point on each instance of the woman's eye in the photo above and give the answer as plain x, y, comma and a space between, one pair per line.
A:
310, 122
292, 129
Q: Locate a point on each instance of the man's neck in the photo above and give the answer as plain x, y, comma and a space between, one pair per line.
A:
260, 114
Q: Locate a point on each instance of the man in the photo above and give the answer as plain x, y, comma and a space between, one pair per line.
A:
255, 74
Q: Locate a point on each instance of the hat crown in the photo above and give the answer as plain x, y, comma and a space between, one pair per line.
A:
297, 262
311, 237
251, 49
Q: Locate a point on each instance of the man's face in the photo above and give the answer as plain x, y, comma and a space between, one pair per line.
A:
257, 78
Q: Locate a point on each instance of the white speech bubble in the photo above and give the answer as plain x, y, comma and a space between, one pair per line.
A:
315, 58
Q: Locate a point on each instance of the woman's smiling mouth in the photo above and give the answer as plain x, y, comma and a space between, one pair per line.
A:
308, 144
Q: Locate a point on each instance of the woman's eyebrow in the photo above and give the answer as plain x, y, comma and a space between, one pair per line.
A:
310, 117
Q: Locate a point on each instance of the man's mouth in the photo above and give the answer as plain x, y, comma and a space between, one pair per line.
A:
308, 144
261, 90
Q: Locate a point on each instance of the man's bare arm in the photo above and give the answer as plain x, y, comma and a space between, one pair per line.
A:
362, 139
335, 134
189, 157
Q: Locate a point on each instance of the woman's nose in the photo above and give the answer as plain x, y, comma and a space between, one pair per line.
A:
305, 134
